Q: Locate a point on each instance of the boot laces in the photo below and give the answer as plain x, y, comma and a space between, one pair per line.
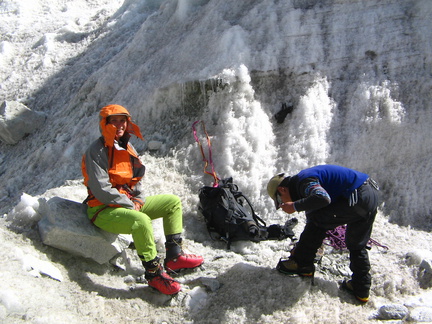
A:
161, 279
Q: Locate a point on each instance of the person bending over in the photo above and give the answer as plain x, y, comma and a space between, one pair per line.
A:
331, 196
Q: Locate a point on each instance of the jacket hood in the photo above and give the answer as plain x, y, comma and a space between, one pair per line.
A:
109, 131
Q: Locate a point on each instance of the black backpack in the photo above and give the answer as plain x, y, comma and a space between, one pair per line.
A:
229, 213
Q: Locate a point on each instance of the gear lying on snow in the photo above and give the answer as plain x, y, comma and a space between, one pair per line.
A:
230, 214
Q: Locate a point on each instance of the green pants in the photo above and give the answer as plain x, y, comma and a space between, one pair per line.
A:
120, 220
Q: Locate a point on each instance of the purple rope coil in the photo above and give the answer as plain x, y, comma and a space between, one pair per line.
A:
336, 239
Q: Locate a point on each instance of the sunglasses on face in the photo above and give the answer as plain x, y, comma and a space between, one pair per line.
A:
278, 199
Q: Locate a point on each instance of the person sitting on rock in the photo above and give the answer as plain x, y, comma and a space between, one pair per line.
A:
116, 203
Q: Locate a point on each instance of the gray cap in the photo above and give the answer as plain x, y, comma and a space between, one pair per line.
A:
272, 186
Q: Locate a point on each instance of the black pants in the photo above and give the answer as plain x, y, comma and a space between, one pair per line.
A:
359, 220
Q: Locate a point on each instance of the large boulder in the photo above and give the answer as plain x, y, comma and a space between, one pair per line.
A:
64, 225
18, 121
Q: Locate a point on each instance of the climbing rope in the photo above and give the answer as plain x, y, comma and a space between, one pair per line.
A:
206, 161
336, 239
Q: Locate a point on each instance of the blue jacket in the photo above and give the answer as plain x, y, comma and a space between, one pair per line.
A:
321, 185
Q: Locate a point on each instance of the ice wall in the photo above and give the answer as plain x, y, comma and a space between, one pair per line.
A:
357, 74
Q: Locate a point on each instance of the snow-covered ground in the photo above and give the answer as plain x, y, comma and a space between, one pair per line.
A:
358, 74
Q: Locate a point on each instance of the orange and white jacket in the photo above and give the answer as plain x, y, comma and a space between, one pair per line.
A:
112, 169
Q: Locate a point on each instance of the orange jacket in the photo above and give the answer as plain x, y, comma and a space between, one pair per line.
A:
112, 170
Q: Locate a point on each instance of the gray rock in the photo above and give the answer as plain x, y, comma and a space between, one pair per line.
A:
394, 311
18, 121
425, 275
426, 265
211, 284
154, 145
65, 226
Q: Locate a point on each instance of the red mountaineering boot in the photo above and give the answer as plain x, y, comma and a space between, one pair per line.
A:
159, 279
176, 259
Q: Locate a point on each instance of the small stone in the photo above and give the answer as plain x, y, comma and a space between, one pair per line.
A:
210, 283
154, 145
394, 311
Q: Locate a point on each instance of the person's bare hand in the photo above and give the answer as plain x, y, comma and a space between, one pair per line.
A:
288, 207
137, 206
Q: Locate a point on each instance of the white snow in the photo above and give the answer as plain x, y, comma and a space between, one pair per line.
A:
358, 74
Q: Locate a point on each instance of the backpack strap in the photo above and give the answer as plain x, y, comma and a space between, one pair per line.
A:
231, 205
254, 215
237, 193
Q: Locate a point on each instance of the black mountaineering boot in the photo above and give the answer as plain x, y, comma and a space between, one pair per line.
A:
362, 296
291, 267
